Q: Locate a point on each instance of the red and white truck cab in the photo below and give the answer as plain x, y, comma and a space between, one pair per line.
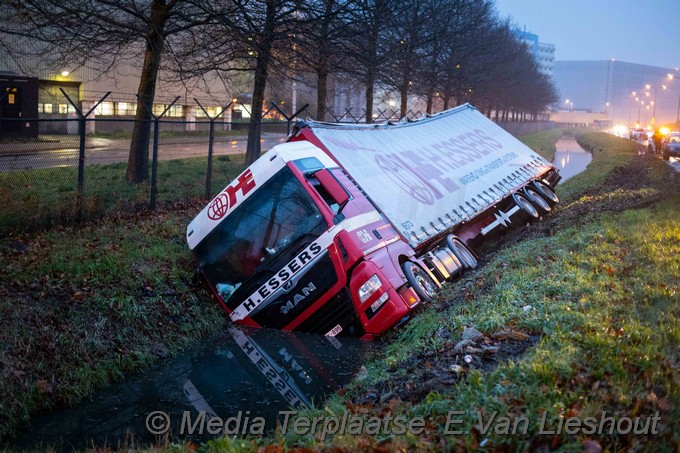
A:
346, 229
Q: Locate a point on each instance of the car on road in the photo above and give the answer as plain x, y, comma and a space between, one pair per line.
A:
671, 146
642, 137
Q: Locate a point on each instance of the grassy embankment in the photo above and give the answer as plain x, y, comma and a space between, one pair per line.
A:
35, 199
595, 288
544, 142
80, 306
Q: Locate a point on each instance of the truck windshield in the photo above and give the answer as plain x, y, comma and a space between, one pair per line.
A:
259, 236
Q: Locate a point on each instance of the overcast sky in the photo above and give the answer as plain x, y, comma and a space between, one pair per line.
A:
645, 32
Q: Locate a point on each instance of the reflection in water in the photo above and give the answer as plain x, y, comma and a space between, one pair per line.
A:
570, 158
248, 373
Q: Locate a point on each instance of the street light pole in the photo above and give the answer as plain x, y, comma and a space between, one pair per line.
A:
640, 110
656, 90
630, 106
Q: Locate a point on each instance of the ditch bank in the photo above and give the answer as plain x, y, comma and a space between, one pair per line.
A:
591, 298
81, 306
556, 325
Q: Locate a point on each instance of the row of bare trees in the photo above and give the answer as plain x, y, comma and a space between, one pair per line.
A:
453, 50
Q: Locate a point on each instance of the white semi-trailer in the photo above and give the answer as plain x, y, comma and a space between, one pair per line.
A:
345, 229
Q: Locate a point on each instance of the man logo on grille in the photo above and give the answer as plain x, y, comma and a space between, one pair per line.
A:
227, 199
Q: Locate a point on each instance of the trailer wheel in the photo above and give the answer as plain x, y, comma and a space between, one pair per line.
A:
421, 283
525, 205
462, 252
539, 202
546, 191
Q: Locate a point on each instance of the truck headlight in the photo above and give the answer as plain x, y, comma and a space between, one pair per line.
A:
372, 285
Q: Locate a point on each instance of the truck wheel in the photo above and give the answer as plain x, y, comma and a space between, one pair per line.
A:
421, 283
539, 202
546, 191
525, 205
462, 252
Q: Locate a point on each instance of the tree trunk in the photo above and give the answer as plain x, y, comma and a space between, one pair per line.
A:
321, 93
370, 81
262, 60
138, 160
253, 148
404, 100
430, 102
323, 68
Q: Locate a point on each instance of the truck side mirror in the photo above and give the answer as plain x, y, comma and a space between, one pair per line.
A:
332, 187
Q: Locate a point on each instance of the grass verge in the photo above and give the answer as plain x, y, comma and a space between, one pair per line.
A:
80, 306
36, 199
586, 308
543, 142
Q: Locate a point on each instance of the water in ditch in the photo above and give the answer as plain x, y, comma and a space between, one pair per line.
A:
247, 378
570, 158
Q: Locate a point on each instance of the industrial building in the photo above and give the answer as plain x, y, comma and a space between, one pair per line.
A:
627, 93
544, 53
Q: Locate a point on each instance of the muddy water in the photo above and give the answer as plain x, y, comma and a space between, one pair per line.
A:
254, 373
570, 158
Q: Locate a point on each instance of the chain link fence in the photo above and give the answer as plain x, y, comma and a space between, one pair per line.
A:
65, 170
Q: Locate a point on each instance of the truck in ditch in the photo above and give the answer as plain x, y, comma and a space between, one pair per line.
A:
346, 229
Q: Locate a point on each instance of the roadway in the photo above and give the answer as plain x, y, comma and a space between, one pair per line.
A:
63, 151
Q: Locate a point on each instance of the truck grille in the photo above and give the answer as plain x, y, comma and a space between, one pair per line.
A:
284, 308
337, 310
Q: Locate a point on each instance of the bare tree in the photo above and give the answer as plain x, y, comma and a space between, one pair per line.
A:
413, 27
99, 34
320, 47
245, 36
370, 47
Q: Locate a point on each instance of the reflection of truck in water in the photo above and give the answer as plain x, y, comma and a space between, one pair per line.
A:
345, 229
244, 376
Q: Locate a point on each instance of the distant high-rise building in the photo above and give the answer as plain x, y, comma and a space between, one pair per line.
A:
544, 53
627, 92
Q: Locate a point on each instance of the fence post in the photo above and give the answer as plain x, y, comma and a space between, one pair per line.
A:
81, 168
82, 119
154, 154
208, 176
289, 119
154, 164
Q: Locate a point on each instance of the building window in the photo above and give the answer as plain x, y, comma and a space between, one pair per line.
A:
212, 111
63, 108
48, 108
41, 108
104, 109
176, 111
126, 108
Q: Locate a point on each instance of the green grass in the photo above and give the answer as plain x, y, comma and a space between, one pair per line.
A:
36, 199
81, 306
596, 283
543, 142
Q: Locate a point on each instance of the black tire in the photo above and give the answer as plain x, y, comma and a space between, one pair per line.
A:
421, 283
525, 205
546, 192
540, 203
466, 257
